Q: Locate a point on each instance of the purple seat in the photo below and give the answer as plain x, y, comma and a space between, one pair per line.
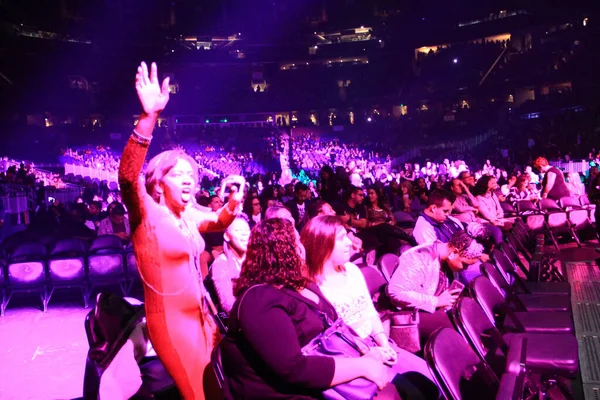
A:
533, 218
569, 203
557, 220
461, 374
66, 267
505, 260
106, 263
499, 312
388, 264
525, 302
553, 354
509, 210
374, 279
26, 272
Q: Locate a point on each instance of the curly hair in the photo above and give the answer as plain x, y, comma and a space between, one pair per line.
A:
465, 245
272, 258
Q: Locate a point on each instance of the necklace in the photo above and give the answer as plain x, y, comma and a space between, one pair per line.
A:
194, 257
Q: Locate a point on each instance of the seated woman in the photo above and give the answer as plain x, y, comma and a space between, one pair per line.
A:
253, 210
422, 280
262, 352
228, 264
327, 257
520, 191
381, 222
489, 204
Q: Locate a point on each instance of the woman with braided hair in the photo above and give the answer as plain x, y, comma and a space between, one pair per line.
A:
165, 231
423, 279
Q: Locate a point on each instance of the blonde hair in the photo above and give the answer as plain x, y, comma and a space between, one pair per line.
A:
160, 165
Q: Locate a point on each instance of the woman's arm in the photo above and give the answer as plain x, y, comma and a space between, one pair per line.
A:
549, 184
153, 98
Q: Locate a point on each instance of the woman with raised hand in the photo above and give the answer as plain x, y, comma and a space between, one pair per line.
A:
165, 231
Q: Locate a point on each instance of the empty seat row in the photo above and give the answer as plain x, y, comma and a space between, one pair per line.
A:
569, 215
70, 264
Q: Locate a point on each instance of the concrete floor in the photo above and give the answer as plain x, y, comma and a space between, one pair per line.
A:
42, 355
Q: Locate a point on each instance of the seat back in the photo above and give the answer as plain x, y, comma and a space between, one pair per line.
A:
496, 277
508, 209
584, 201
374, 279
106, 244
68, 248
549, 205
481, 334
506, 267
569, 203
459, 372
28, 252
388, 264
579, 218
488, 297
527, 207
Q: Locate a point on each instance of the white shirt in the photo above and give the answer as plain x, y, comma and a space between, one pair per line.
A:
301, 210
351, 299
416, 279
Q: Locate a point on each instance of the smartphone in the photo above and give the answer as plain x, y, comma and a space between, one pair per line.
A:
51, 199
455, 285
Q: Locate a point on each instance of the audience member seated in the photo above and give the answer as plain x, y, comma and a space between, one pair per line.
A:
278, 311
297, 205
116, 223
328, 260
424, 275
520, 191
381, 223
489, 204
435, 222
227, 265
253, 210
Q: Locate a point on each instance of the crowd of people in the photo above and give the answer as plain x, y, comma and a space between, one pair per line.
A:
274, 259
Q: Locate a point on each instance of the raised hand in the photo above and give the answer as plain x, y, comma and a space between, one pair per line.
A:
153, 97
235, 194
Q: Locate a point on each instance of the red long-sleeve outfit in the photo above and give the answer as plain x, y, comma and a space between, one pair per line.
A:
179, 324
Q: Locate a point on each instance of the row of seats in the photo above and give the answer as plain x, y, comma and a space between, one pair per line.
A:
69, 263
567, 216
513, 338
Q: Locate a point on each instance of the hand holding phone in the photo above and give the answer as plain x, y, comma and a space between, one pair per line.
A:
456, 286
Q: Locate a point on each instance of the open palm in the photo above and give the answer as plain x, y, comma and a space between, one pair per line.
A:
153, 97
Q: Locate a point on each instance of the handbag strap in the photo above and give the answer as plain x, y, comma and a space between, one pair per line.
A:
239, 308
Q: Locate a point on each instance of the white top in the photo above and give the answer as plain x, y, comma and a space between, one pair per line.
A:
348, 294
416, 279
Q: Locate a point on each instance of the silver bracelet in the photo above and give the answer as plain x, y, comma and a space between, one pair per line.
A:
143, 140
